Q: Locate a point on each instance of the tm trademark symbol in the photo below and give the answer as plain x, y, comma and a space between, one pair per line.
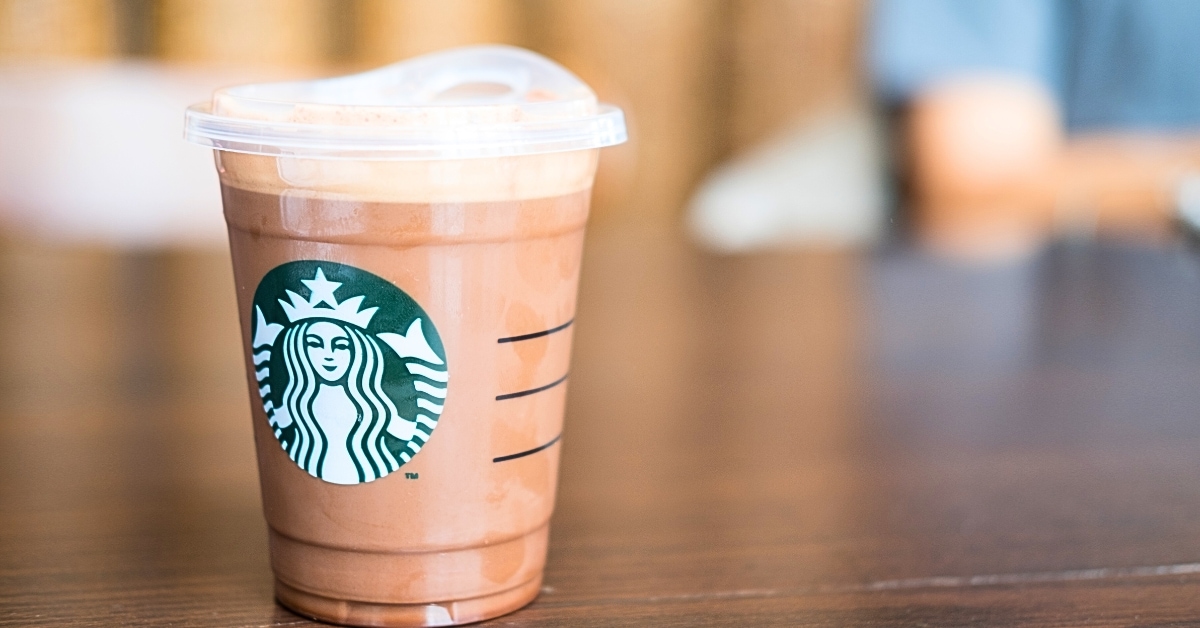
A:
411, 476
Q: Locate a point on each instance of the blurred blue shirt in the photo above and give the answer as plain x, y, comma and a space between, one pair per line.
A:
1131, 64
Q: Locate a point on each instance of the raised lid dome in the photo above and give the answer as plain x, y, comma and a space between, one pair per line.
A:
479, 101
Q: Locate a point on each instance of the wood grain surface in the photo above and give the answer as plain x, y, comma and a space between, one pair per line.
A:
818, 438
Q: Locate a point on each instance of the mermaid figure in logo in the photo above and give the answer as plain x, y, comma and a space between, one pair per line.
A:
334, 405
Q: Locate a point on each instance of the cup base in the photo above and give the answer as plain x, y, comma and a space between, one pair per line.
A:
351, 613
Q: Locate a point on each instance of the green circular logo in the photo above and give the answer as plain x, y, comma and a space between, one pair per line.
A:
351, 371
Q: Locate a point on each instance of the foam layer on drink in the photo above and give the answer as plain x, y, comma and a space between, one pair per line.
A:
442, 181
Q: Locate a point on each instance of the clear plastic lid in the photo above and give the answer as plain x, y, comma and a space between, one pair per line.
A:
479, 101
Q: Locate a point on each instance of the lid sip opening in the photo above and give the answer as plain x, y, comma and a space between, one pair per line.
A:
464, 103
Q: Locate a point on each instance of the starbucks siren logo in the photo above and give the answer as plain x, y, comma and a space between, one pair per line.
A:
352, 393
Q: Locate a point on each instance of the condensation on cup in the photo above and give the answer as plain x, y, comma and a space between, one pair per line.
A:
406, 246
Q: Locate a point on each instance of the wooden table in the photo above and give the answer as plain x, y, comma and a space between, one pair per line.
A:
806, 439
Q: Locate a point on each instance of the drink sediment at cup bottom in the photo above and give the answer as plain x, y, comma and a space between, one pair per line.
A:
408, 366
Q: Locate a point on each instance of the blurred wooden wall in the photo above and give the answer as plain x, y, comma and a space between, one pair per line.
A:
246, 32
58, 305
698, 79
387, 31
57, 28
791, 59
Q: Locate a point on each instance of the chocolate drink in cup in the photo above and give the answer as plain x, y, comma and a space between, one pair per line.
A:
406, 247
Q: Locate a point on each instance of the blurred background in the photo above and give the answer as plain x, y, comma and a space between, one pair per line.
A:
825, 131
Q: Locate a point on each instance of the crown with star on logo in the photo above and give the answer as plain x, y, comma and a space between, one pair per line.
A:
322, 303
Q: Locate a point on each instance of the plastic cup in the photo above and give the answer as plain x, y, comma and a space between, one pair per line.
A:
406, 246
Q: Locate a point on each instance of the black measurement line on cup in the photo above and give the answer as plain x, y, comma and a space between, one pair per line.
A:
528, 451
532, 391
536, 334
